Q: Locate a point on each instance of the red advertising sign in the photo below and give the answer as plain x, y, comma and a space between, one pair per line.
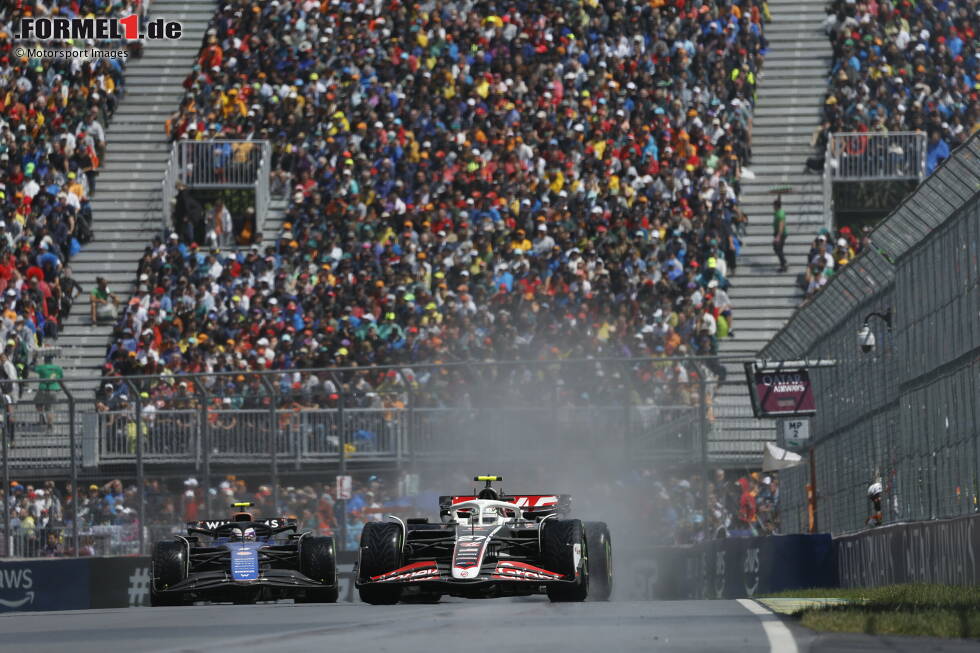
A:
781, 393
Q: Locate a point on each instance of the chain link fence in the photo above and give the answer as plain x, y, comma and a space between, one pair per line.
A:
905, 413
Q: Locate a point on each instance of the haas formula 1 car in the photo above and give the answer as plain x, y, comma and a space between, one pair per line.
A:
488, 545
244, 560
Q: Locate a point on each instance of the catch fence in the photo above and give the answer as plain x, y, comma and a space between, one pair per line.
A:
904, 413
273, 426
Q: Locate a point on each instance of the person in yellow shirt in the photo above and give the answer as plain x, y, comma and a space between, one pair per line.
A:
520, 241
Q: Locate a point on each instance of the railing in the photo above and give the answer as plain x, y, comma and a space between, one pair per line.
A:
871, 156
219, 164
169, 189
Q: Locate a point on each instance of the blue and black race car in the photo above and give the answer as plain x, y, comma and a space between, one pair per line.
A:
244, 560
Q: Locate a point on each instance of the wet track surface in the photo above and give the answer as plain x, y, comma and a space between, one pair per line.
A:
471, 626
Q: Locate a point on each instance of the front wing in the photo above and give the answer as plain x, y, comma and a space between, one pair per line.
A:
438, 576
209, 581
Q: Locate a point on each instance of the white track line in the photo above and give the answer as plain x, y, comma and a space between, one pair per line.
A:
780, 638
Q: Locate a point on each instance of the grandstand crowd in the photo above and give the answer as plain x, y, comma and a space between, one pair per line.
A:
53, 119
673, 507
897, 66
502, 181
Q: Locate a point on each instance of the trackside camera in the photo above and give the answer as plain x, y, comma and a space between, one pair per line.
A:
866, 339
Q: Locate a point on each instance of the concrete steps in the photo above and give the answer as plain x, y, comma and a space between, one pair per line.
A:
791, 89
126, 209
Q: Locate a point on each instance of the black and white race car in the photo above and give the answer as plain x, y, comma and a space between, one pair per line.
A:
244, 560
488, 545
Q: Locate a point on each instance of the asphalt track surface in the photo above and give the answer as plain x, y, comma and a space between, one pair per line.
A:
528, 626
458, 625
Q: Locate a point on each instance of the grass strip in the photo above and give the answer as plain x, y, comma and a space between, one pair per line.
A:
912, 609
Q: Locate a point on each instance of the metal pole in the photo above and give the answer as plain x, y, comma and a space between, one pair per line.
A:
204, 442
8, 434
273, 439
140, 475
342, 463
703, 432
812, 499
73, 462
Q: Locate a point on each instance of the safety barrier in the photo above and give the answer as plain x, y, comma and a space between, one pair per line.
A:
97, 583
945, 551
737, 567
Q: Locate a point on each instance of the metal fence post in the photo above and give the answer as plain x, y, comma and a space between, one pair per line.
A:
140, 471
703, 435
204, 442
73, 463
342, 461
273, 437
8, 433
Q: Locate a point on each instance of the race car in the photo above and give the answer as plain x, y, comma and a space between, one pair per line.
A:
244, 560
489, 544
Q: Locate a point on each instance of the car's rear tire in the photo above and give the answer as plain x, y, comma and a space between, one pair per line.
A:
558, 553
168, 566
600, 560
318, 561
381, 552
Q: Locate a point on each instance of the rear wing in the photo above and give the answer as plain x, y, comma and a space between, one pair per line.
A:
271, 522
536, 504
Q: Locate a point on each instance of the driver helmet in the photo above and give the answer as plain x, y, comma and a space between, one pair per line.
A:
488, 493
236, 535
249, 535
874, 490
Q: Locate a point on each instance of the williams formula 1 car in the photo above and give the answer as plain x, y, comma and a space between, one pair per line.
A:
488, 545
244, 560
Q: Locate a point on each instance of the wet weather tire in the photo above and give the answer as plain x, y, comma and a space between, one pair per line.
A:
564, 550
600, 560
169, 567
318, 561
381, 552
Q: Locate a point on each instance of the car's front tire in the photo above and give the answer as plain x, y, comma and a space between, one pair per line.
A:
564, 549
381, 552
318, 561
168, 566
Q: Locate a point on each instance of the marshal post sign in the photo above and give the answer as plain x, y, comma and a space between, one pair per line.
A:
780, 392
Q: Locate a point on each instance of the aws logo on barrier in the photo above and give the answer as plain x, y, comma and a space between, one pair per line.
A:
16, 587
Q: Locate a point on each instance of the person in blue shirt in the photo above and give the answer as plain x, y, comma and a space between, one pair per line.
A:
937, 151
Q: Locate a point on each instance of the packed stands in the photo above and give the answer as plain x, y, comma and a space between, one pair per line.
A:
53, 115
904, 66
515, 183
672, 506
897, 67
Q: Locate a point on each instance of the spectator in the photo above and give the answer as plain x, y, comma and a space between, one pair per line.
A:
103, 301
